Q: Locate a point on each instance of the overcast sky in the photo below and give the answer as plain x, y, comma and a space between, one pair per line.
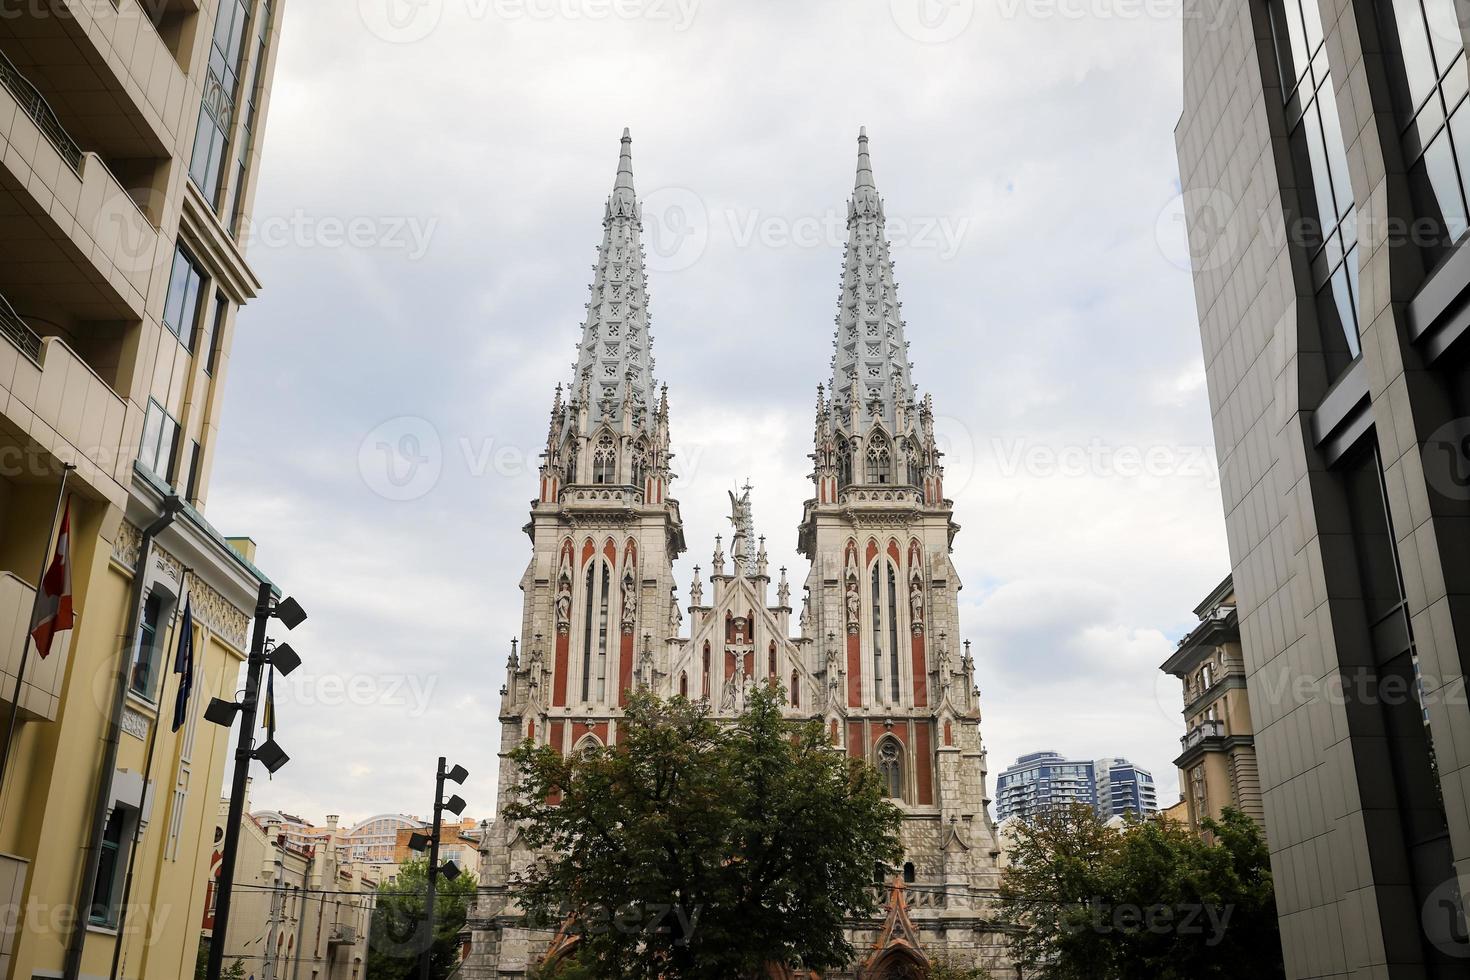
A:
430, 202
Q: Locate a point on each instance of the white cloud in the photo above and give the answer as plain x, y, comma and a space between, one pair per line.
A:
1058, 322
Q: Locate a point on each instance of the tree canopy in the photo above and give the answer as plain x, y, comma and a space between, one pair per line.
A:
699, 849
1149, 901
398, 932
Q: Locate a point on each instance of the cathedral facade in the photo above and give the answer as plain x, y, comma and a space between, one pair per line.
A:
873, 651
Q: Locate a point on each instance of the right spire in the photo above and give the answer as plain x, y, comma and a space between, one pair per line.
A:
870, 364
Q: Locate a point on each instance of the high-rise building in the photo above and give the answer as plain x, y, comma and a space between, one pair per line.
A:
1045, 780
1324, 160
872, 651
129, 147
1217, 759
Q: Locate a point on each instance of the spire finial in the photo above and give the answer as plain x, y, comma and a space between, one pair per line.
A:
865, 163
625, 164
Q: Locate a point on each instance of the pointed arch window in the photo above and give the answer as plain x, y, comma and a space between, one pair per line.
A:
571, 471
890, 767
706, 669
844, 462
771, 664
892, 634
594, 646
640, 466
605, 460
683, 684
795, 690
880, 460
877, 608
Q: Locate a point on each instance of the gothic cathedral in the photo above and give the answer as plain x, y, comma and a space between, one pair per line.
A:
873, 653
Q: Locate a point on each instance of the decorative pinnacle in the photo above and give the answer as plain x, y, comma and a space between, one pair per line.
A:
865, 164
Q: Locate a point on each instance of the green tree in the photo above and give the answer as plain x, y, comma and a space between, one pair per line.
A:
1149, 901
398, 931
693, 849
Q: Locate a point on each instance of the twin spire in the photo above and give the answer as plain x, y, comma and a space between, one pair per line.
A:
870, 368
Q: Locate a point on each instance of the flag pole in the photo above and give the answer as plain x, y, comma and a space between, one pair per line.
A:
25, 649
122, 910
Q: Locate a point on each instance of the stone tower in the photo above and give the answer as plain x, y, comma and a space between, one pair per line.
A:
599, 590
883, 604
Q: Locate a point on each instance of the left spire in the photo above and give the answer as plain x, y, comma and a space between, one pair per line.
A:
615, 357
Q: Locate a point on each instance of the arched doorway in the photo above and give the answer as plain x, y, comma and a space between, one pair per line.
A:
899, 963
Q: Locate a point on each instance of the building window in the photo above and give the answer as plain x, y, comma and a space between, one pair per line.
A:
145, 656
1427, 70
844, 462
588, 606
185, 296
217, 107
192, 494
602, 635
880, 460
877, 635
771, 660
706, 668
216, 331
909, 876
1326, 226
235, 211
640, 467
110, 863
795, 690
604, 461
683, 684
892, 635
160, 441
890, 767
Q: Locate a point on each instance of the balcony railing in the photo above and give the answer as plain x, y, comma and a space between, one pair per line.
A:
1202, 731
35, 106
17, 332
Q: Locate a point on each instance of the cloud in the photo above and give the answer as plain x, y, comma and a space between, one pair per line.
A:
1053, 321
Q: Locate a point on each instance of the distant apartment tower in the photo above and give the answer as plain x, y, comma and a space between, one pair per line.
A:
1043, 780
129, 151
1217, 759
1324, 158
1123, 788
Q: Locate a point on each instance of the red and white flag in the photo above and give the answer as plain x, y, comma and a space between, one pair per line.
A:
53, 604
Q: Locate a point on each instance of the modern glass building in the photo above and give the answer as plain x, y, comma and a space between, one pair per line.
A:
1042, 780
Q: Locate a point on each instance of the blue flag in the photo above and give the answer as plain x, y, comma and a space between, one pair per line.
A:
184, 666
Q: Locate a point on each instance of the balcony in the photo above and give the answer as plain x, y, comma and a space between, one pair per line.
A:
109, 70
1200, 733
342, 934
74, 237
51, 400
41, 694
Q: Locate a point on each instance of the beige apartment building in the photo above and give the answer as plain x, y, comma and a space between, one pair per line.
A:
1324, 155
299, 911
1217, 759
129, 145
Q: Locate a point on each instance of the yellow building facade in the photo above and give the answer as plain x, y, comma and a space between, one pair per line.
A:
1217, 762
129, 144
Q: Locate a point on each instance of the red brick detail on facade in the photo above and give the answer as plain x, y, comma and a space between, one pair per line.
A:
749, 663
872, 551
855, 739
923, 764
625, 667
921, 673
559, 682
893, 552
580, 730
557, 727
588, 550
948, 733
854, 671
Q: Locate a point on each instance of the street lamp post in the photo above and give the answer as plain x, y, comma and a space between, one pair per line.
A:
222, 712
454, 805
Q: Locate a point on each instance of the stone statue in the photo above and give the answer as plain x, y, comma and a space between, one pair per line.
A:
740, 545
916, 606
564, 605
854, 606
